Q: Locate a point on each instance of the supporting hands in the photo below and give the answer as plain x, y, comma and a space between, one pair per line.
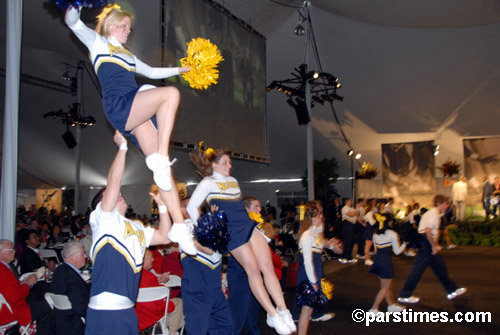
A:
335, 245
119, 139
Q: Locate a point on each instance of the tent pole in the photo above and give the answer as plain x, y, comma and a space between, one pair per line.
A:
14, 21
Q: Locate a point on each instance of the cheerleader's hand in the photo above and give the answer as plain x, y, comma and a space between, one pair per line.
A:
316, 287
156, 197
184, 69
118, 138
214, 208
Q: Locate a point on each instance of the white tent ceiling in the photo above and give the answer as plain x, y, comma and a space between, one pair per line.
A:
410, 70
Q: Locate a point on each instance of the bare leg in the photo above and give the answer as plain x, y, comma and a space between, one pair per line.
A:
384, 285
389, 296
304, 317
161, 102
447, 236
145, 134
263, 256
245, 256
368, 245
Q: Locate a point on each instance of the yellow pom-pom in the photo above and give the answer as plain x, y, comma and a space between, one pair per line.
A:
327, 288
202, 59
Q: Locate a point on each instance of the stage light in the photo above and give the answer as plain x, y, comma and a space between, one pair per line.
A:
336, 97
66, 76
271, 86
318, 99
316, 75
350, 152
299, 29
358, 156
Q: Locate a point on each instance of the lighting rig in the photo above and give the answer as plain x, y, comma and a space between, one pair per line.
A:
72, 117
323, 87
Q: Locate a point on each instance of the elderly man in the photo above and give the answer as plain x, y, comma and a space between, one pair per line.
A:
68, 281
16, 293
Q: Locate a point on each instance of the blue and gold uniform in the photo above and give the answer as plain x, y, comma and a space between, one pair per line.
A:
118, 246
115, 67
382, 262
225, 193
205, 306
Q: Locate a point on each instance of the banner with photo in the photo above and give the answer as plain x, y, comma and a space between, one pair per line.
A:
481, 160
48, 199
408, 172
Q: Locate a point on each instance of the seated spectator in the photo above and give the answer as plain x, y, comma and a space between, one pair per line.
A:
45, 233
17, 293
149, 313
87, 237
68, 281
30, 260
172, 265
57, 236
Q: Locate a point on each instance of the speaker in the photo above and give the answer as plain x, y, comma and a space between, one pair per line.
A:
69, 139
302, 113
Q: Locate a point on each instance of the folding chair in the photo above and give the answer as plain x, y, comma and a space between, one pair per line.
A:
174, 281
3, 328
59, 301
48, 254
147, 294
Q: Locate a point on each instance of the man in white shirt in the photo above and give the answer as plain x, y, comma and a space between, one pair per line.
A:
459, 197
428, 255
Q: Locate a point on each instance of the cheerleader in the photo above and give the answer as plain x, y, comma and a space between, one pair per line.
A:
246, 244
130, 109
311, 243
385, 241
370, 229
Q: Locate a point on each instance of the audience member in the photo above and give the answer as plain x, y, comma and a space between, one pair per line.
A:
17, 293
68, 281
151, 312
486, 196
459, 197
31, 260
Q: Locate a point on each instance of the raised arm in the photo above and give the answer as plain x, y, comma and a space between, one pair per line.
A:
115, 174
157, 72
86, 35
160, 235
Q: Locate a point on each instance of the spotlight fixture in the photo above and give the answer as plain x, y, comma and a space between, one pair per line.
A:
299, 29
436, 150
350, 152
358, 156
72, 117
323, 87
66, 76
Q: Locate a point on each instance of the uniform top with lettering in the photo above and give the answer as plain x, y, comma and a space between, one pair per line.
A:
388, 239
114, 65
213, 187
118, 246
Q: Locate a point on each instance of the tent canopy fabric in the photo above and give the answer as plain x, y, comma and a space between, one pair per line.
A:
410, 71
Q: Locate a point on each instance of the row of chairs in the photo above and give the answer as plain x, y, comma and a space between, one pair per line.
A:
147, 294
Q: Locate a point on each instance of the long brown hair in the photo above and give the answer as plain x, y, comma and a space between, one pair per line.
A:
203, 159
312, 210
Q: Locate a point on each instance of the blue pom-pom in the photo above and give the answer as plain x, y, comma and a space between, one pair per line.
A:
305, 294
211, 231
65, 4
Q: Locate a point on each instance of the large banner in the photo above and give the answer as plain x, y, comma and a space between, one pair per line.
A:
481, 160
408, 172
49, 198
